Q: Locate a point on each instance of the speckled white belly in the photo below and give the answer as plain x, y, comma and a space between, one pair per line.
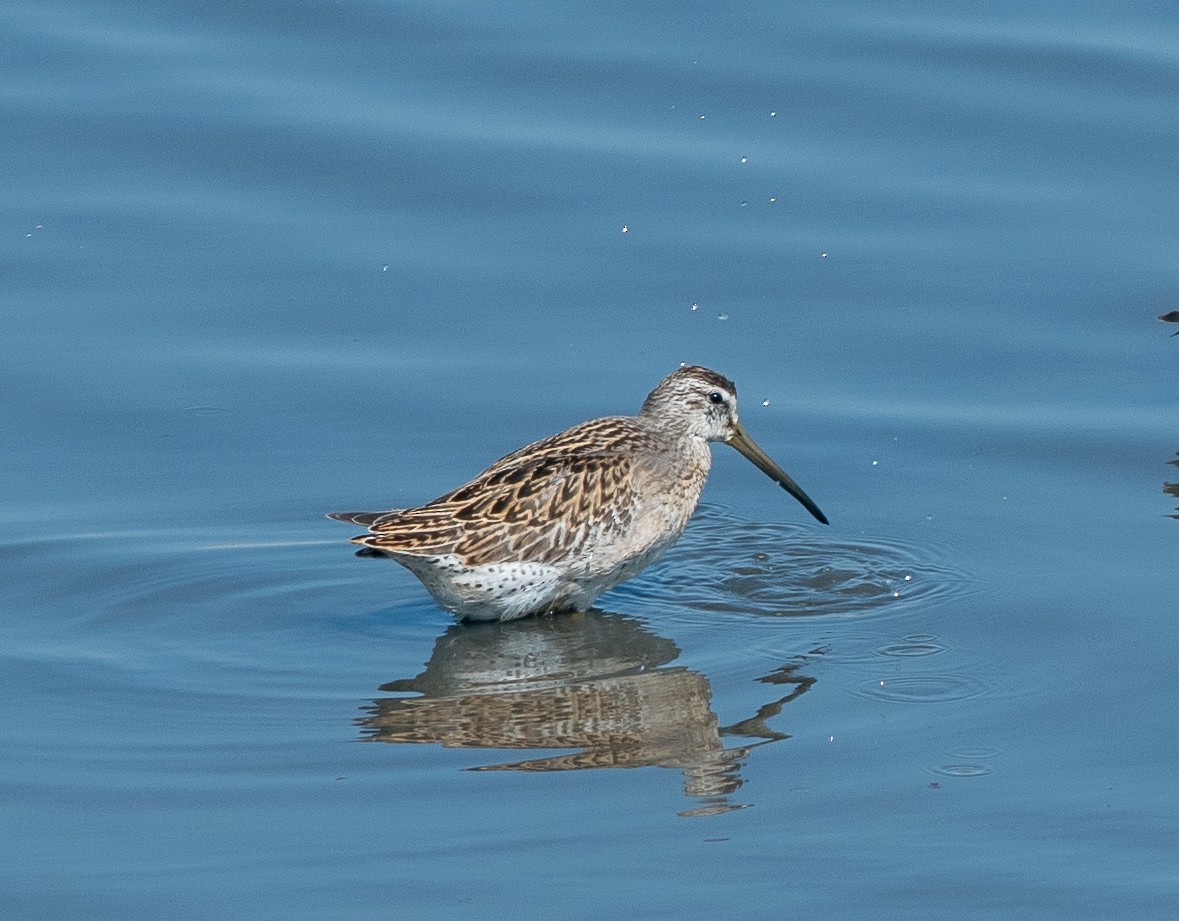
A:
510, 590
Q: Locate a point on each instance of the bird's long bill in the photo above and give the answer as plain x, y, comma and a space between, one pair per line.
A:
747, 446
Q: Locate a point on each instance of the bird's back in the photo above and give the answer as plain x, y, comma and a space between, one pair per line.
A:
545, 502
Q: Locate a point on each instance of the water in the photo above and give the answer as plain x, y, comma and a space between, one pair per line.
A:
265, 261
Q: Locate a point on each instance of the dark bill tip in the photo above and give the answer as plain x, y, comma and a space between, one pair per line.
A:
762, 461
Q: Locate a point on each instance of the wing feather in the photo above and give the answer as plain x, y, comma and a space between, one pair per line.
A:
540, 508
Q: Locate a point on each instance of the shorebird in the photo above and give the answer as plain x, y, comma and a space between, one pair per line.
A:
551, 526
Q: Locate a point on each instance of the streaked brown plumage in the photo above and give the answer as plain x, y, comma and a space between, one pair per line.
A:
553, 525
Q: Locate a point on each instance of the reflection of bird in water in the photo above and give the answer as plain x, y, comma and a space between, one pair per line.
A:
553, 525
1172, 489
598, 683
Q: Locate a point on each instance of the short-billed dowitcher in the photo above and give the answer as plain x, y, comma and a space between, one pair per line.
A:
551, 526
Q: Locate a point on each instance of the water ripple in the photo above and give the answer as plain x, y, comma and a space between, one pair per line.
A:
963, 770
969, 762
725, 564
922, 689
197, 610
913, 647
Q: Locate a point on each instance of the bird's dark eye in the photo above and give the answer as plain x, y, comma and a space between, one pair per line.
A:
716, 397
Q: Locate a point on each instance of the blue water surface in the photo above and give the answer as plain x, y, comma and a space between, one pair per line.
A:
262, 261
